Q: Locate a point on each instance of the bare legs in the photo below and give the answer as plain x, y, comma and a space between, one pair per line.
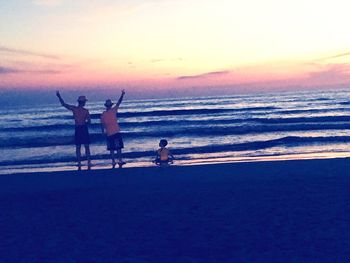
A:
87, 153
119, 156
78, 153
113, 158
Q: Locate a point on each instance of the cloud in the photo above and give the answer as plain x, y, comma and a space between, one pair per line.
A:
159, 60
340, 55
45, 71
10, 70
7, 70
27, 53
205, 75
18, 61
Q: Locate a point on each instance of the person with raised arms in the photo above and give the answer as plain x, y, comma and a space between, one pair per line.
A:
82, 119
109, 123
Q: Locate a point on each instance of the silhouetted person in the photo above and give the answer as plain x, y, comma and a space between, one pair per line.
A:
109, 123
82, 119
163, 155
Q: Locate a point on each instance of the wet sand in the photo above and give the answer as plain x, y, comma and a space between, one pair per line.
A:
280, 211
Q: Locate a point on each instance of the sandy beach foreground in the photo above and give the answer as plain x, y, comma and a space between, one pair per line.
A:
285, 211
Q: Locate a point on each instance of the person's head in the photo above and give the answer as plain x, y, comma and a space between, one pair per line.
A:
163, 143
82, 100
108, 104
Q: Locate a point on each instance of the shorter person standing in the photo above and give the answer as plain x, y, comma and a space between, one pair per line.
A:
109, 123
82, 119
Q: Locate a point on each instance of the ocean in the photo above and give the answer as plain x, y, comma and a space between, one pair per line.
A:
249, 127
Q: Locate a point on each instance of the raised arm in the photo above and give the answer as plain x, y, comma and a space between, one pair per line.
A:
67, 106
120, 99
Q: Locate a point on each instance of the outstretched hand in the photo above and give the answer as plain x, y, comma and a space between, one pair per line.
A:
123, 91
58, 94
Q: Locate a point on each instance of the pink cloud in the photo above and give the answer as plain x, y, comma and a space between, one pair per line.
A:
205, 75
23, 52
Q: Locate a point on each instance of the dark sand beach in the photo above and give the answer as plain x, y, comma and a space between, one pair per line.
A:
281, 211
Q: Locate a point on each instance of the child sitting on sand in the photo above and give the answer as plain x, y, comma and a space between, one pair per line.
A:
163, 157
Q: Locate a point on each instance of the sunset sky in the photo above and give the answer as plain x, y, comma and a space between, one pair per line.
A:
177, 44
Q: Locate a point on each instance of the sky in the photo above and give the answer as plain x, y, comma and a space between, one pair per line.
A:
177, 45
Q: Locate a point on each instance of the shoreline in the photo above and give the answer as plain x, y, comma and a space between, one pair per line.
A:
10, 170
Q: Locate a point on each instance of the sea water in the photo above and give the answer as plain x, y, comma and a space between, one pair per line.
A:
249, 127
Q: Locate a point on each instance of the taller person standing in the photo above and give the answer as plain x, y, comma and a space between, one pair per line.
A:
109, 123
82, 119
